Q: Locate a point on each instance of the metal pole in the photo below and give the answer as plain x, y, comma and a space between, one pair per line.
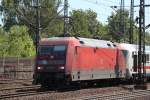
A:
122, 19
143, 32
141, 52
66, 19
131, 22
37, 28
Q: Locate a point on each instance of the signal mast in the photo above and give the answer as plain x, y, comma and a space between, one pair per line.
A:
141, 48
122, 19
66, 18
37, 36
131, 22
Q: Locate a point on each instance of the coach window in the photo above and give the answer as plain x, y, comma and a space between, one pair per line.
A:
135, 62
147, 58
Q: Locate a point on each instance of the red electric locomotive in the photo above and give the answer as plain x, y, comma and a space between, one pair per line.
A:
70, 59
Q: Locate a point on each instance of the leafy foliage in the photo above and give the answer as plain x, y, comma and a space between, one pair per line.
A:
20, 43
147, 38
85, 24
3, 43
16, 42
79, 23
18, 32
23, 12
114, 26
9, 13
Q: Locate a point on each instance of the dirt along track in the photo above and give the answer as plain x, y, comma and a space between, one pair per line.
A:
10, 89
14, 83
21, 91
24, 90
134, 95
56, 95
31, 92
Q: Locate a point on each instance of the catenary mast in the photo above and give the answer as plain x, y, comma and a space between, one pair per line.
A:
66, 18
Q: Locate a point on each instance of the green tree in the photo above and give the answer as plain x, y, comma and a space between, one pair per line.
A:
147, 38
9, 13
3, 43
23, 12
79, 23
102, 31
92, 22
85, 24
20, 43
114, 26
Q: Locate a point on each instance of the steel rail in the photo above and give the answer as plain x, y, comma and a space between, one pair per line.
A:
20, 88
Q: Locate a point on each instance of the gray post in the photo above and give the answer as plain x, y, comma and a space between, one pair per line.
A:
131, 22
66, 19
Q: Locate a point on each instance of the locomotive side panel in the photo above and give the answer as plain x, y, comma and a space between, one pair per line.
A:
121, 63
83, 60
97, 63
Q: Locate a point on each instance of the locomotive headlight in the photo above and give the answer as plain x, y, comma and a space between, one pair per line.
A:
62, 67
39, 68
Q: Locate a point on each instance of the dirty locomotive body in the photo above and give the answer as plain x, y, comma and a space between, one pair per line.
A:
71, 60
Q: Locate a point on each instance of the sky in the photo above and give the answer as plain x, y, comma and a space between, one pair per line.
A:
103, 8
0, 15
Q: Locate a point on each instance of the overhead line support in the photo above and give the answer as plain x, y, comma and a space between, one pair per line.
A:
66, 18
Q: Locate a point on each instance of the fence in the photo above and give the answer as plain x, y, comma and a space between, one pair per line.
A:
15, 68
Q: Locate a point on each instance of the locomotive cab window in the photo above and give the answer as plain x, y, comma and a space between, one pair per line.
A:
52, 49
59, 48
45, 49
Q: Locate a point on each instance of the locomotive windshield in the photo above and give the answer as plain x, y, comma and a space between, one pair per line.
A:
45, 49
52, 57
52, 49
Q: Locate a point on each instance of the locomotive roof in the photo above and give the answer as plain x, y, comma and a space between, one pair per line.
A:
56, 38
85, 41
97, 43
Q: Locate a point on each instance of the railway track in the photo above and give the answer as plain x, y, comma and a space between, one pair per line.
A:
120, 96
20, 88
8, 81
22, 91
